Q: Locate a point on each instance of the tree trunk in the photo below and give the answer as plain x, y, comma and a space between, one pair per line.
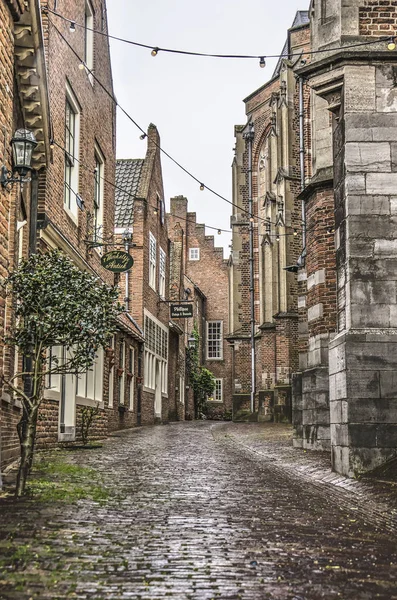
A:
27, 438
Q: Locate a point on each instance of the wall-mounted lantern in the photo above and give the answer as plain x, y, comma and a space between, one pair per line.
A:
23, 143
191, 342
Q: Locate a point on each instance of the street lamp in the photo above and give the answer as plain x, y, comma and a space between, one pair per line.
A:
23, 143
191, 342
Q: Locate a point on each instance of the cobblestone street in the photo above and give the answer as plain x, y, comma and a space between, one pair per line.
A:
203, 510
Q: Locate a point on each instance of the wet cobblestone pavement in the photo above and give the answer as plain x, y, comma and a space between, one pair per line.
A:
200, 511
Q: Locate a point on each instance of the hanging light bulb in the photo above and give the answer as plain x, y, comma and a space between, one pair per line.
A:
278, 237
392, 44
81, 66
295, 232
155, 211
72, 27
154, 52
202, 187
142, 137
219, 231
262, 62
52, 144
252, 219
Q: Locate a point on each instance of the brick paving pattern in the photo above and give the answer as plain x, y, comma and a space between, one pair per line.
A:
202, 511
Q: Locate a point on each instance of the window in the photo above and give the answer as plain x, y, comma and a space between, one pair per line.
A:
98, 195
90, 383
89, 39
72, 130
156, 351
162, 273
121, 374
194, 253
162, 210
131, 358
218, 391
111, 375
152, 261
182, 390
214, 340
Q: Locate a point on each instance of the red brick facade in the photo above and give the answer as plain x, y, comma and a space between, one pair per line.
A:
273, 111
206, 285
378, 18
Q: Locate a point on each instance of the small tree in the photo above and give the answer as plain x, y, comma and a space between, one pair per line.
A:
56, 304
88, 415
200, 378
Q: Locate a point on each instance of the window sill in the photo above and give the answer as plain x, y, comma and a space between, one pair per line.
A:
71, 215
50, 394
80, 401
14, 403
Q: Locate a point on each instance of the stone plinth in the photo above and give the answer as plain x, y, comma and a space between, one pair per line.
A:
363, 401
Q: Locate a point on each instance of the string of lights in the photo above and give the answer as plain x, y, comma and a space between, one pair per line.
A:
219, 230
143, 135
262, 58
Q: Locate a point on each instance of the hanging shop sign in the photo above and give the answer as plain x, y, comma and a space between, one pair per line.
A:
181, 311
117, 261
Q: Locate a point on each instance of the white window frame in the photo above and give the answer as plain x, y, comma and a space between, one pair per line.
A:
121, 377
89, 385
218, 397
72, 138
212, 339
162, 272
152, 260
99, 193
131, 372
156, 350
111, 376
194, 253
89, 39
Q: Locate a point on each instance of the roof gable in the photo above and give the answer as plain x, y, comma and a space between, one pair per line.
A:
128, 174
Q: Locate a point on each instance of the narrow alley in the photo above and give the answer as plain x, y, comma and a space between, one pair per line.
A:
199, 511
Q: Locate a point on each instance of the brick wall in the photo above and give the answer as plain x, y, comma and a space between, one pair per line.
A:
95, 106
274, 112
10, 120
210, 275
321, 258
378, 18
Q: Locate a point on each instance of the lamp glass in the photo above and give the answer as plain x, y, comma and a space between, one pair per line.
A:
23, 144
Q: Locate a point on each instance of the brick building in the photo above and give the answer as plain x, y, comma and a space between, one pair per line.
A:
273, 122
24, 105
70, 203
343, 129
355, 102
200, 274
140, 211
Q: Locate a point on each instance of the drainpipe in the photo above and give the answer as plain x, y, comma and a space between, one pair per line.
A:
32, 249
139, 391
127, 284
302, 157
127, 239
249, 137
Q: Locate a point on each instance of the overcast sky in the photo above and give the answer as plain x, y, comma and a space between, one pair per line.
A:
194, 102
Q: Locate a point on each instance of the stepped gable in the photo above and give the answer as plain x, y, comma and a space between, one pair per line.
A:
128, 174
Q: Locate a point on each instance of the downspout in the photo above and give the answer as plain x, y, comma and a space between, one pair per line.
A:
32, 249
302, 159
127, 281
250, 138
